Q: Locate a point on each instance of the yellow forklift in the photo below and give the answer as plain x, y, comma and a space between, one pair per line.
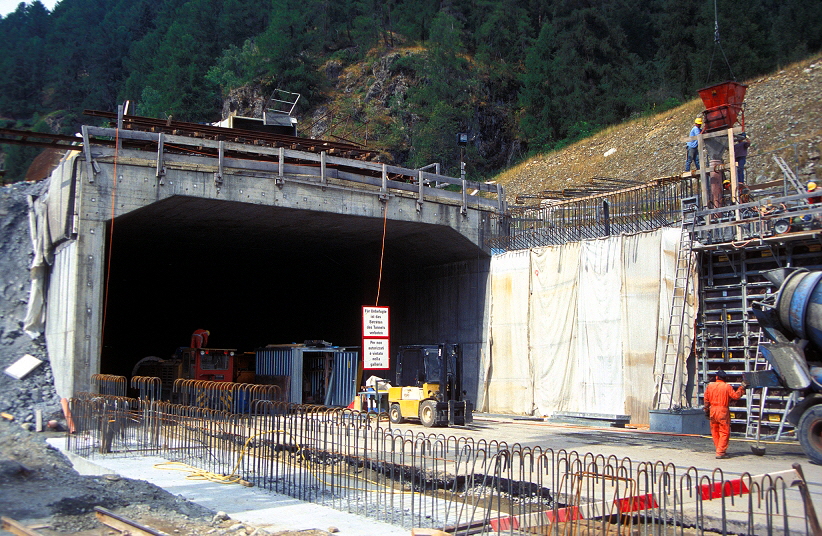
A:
429, 386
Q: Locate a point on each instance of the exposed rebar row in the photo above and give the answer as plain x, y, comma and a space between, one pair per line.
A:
228, 396
641, 208
109, 384
353, 462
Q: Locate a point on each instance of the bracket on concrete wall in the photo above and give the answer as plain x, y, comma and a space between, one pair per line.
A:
120, 113
280, 181
464, 207
91, 165
501, 198
323, 177
161, 170
420, 200
384, 187
218, 177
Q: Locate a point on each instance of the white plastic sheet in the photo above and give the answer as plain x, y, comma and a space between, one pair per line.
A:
509, 384
587, 335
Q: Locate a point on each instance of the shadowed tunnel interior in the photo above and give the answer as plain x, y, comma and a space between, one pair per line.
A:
256, 275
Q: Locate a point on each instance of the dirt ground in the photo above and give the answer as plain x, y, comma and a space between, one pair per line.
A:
40, 488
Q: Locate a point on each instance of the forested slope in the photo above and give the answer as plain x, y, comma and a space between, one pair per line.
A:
520, 76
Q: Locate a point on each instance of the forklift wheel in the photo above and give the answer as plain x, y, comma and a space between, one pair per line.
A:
395, 415
428, 413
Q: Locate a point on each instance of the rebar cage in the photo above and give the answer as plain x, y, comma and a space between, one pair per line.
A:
357, 463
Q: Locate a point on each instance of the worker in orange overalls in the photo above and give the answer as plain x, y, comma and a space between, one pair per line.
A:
199, 339
718, 395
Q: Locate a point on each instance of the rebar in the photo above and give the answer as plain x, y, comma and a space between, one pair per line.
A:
640, 208
353, 462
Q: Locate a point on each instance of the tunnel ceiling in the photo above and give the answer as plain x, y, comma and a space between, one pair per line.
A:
225, 225
256, 275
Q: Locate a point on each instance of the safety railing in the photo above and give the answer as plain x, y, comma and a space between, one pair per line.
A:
353, 462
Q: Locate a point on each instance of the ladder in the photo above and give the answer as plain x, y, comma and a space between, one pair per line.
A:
669, 372
755, 409
789, 404
790, 176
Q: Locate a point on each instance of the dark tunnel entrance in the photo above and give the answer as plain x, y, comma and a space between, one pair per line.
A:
256, 275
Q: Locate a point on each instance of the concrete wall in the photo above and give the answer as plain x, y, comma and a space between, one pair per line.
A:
449, 304
75, 286
444, 304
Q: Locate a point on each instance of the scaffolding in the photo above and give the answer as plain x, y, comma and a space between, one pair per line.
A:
758, 228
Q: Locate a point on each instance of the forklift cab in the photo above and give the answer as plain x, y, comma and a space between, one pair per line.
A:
428, 386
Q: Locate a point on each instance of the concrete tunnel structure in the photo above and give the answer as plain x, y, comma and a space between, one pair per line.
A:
259, 245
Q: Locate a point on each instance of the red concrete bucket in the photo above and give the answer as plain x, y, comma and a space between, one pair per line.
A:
723, 103
724, 94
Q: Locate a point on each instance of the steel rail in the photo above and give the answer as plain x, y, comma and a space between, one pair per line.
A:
132, 122
123, 524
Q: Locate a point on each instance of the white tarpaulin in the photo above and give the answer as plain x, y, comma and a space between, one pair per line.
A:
509, 382
579, 327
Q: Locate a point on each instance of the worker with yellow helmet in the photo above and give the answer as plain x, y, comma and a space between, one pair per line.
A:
812, 187
693, 146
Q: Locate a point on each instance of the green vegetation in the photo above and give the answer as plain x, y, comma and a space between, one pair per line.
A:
518, 75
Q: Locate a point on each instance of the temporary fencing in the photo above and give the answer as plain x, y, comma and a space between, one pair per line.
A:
352, 461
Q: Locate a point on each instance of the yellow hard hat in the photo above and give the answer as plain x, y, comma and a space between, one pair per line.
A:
208, 332
698, 120
811, 186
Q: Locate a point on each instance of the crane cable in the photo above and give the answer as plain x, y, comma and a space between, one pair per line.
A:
382, 250
718, 43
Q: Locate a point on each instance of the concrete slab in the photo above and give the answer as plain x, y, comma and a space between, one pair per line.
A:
680, 450
250, 505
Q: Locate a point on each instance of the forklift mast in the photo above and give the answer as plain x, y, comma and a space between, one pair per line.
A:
431, 363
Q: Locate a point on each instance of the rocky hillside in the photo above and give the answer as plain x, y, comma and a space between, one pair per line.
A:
20, 398
783, 115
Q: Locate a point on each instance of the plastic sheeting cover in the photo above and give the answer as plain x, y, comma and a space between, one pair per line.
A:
579, 327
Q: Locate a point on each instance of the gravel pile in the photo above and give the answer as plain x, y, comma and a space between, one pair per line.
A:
20, 398
39, 487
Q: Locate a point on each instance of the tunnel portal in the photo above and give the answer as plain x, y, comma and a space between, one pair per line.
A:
258, 245
255, 275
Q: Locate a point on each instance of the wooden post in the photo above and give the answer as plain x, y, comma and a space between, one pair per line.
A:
702, 175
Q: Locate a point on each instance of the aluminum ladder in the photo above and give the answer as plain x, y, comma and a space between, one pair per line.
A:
759, 364
790, 176
754, 410
667, 376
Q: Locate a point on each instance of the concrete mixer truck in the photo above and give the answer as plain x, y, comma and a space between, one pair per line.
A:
792, 318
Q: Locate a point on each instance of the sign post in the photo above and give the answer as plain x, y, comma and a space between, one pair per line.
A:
375, 338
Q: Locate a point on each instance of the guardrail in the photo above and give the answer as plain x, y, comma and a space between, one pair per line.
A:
282, 164
354, 462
